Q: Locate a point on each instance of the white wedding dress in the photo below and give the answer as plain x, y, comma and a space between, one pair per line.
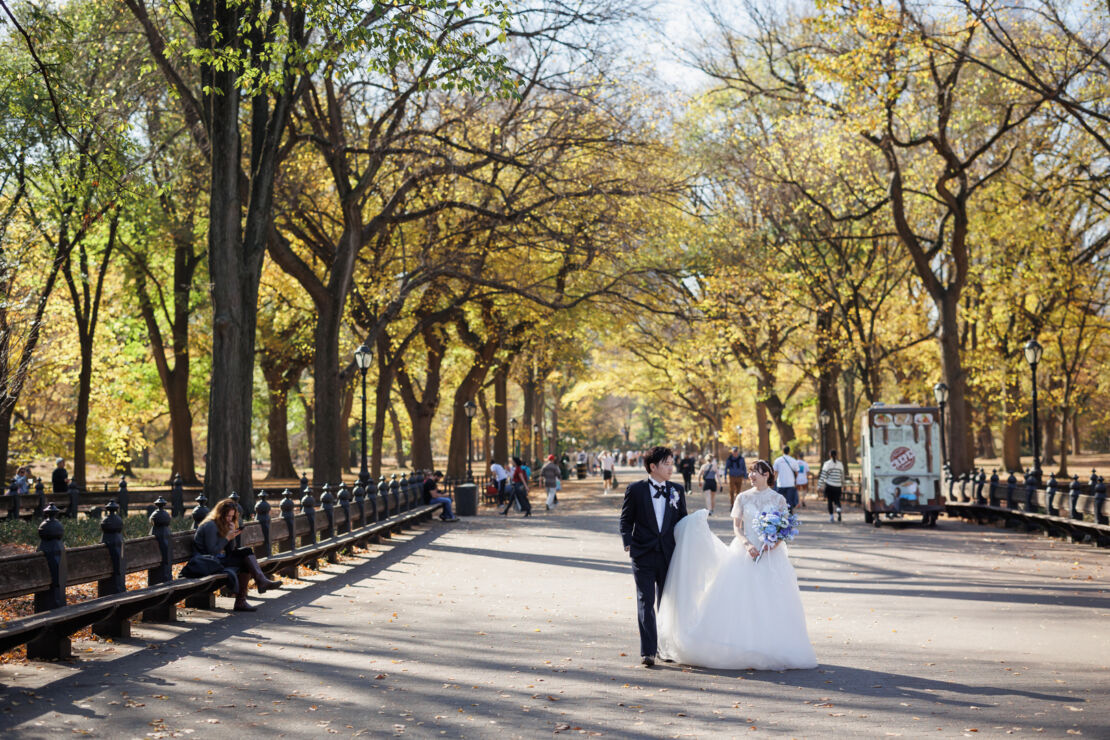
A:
721, 609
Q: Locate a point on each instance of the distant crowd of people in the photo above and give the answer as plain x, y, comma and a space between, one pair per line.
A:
21, 483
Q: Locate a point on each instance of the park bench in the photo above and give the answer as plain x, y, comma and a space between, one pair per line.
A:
92, 503
1075, 512
281, 543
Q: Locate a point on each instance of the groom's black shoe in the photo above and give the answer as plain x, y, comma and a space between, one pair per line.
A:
648, 660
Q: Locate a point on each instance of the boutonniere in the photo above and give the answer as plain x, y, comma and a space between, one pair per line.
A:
672, 496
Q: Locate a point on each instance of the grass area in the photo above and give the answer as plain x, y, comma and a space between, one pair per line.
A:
83, 531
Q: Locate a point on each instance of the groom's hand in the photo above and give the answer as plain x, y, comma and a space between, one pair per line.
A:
627, 548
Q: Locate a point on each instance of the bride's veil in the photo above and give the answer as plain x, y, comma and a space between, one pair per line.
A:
697, 557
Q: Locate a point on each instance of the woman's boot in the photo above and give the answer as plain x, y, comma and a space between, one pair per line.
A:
241, 604
264, 584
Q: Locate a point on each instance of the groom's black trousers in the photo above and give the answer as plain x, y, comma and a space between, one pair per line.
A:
650, 571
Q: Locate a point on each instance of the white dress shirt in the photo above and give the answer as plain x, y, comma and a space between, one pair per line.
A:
659, 502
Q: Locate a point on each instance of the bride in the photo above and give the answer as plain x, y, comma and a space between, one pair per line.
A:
721, 608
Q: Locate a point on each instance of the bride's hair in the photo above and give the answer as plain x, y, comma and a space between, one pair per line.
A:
763, 467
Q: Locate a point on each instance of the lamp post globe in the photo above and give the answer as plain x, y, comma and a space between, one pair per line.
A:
513, 424
364, 355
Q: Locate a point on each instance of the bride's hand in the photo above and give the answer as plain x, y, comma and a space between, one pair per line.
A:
752, 552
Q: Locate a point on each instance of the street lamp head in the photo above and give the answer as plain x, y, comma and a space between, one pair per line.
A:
768, 424
1033, 351
940, 392
470, 408
739, 430
825, 417
363, 356
513, 423
535, 429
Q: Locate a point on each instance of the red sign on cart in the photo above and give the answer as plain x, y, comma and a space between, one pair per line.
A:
902, 458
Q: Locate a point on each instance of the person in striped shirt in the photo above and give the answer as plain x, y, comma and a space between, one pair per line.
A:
832, 479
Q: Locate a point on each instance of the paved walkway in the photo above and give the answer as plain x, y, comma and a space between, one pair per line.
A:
526, 627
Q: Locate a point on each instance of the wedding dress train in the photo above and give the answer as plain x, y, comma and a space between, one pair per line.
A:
721, 609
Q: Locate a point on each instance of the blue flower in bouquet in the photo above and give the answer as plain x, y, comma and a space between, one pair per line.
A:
774, 526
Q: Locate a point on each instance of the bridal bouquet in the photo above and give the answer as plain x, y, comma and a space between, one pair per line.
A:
774, 526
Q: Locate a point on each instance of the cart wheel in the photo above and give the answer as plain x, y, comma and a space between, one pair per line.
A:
875, 519
868, 516
931, 519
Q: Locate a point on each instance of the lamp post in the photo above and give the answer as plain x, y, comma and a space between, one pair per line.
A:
824, 418
1033, 351
470, 408
740, 438
513, 423
536, 446
363, 357
940, 392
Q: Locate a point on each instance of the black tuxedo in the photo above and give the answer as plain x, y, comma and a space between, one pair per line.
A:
650, 547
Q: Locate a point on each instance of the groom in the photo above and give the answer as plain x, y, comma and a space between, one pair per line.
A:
652, 507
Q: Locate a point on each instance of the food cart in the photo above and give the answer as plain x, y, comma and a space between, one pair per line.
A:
900, 463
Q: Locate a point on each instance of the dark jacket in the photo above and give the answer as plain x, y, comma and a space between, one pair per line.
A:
639, 530
735, 467
207, 540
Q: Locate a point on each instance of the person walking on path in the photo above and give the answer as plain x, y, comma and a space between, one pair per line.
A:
549, 474
606, 461
737, 473
686, 467
500, 479
651, 509
59, 479
786, 468
831, 480
708, 477
801, 480
519, 490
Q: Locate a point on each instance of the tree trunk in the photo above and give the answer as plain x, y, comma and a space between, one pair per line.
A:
277, 433
1075, 448
1011, 427
960, 454
1064, 440
331, 441
1048, 420
237, 240
483, 408
826, 381
764, 433
381, 404
398, 439
234, 273
528, 390
458, 449
501, 413
81, 420
985, 437
776, 408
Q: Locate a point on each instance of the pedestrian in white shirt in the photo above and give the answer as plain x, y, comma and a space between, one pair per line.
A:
786, 470
500, 479
606, 461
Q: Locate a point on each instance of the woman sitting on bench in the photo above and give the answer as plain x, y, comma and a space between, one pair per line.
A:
215, 537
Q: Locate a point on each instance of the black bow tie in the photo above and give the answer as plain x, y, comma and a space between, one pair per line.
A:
660, 491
